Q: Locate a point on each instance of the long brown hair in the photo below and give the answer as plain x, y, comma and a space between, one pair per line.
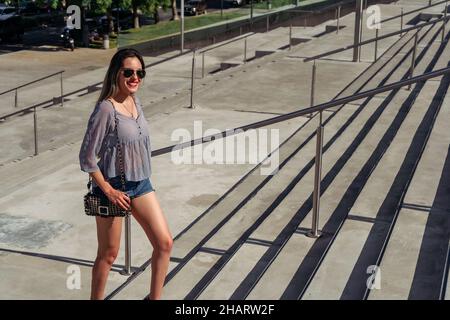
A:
110, 86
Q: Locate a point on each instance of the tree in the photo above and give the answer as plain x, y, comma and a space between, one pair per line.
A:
146, 6
105, 6
175, 11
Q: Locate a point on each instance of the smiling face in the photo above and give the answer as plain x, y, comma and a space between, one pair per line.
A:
129, 85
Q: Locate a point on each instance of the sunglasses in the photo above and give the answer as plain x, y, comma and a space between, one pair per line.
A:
127, 73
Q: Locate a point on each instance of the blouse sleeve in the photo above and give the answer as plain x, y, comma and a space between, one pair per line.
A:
99, 122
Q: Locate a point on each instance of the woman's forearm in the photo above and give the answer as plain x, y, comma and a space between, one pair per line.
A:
101, 182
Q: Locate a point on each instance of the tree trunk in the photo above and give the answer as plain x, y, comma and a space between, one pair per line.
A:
156, 15
135, 16
110, 21
174, 11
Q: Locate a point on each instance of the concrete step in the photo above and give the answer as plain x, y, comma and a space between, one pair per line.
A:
373, 212
332, 210
201, 257
202, 227
276, 227
225, 209
298, 243
219, 246
366, 229
46, 277
292, 246
382, 62
264, 202
413, 264
13, 176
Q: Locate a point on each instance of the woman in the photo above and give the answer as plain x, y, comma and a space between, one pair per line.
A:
122, 81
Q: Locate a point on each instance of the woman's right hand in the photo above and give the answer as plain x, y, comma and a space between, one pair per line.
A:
119, 198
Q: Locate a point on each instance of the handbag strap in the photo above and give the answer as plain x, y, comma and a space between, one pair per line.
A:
119, 150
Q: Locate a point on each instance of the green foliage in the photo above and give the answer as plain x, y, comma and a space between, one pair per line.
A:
147, 6
166, 28
101, 5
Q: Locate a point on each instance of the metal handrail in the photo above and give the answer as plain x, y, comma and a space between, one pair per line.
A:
314, 233
185, 51
34, 81
246, 35
326, 7
319, 10
82, 89
303, 112
388, 35
412, 11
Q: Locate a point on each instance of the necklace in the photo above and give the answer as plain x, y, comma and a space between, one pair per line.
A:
132, 115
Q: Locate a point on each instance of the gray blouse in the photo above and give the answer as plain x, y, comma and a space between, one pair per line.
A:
100, 141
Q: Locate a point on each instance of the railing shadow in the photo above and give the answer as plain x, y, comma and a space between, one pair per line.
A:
81, 262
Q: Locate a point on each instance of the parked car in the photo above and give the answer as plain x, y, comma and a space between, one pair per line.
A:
195, 7
11, 23
6, 12
235, 3
126, 20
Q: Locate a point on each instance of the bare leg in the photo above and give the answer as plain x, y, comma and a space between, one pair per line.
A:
149, 215
108, 235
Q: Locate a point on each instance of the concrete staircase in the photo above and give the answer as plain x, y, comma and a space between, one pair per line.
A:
384, 213
251, 243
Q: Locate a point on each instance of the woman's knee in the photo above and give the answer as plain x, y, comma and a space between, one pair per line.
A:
108, 255
165, 244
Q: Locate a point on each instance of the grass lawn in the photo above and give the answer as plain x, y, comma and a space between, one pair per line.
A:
275, 4
99, 44
262, 4
165, 28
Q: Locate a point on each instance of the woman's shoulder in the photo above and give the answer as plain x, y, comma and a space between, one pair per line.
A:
105, 106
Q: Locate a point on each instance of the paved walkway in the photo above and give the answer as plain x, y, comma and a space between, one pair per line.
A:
43, 231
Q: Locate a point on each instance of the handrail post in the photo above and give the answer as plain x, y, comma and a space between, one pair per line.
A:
192, 79
315, 233
62, 96
401, 22
203, 65
444, 21
357, 35
267, 23
182, 27
313, 82
413, 60
360, 39
338, 19
15, 99
290, 36
376, 44
127, 269
36, 150
245, 50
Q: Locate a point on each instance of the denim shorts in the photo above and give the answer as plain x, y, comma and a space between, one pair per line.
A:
133, 189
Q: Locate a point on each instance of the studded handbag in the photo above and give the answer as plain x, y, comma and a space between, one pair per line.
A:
95, 205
